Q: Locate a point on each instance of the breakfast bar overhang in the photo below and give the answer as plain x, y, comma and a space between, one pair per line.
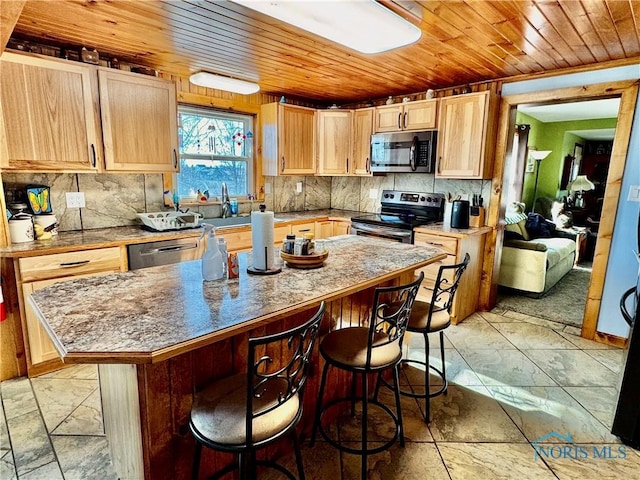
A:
159, 334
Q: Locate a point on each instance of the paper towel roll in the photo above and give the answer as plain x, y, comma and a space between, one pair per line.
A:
261, 239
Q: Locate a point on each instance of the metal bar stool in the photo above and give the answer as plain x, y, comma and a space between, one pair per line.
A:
248, 411
431, 317
365, 350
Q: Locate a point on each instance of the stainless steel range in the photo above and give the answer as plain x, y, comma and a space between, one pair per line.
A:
400, 213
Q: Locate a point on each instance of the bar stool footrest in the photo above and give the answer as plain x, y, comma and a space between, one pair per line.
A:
411, 394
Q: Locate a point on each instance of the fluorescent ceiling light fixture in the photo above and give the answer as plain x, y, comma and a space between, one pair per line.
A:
228, 84
362, 25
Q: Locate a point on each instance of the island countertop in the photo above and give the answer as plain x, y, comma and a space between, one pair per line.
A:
153, 314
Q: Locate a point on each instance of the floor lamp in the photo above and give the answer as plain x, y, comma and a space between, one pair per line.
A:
538, 156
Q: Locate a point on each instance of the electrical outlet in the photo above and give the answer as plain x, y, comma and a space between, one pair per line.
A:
75, 199
373, 193
634, 193
299, 187
267, 188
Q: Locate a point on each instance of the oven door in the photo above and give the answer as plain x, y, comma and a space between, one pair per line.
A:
388, 233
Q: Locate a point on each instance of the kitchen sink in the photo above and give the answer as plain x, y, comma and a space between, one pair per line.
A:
225, 222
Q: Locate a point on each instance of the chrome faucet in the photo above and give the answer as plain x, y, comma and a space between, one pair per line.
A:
226, 204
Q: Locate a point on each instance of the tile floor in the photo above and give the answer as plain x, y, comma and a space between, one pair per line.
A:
513, 378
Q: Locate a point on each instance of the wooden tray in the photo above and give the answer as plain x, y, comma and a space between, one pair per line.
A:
304, 261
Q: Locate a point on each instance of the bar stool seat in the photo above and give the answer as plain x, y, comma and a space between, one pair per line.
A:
440, 319
219, 411
348, 347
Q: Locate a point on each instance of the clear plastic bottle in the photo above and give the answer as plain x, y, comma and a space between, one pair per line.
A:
212, 258
222, 246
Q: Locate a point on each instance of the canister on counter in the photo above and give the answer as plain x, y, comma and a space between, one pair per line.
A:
234, 268
307, 244
288, 243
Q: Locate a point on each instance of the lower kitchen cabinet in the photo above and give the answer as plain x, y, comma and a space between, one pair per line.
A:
341, 227
456, 245
35, 273
324, 229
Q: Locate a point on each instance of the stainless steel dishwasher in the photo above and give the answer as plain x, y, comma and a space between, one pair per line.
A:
153, 254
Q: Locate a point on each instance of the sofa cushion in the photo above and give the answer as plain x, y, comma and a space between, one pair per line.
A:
557, 248
518, 228
526, 245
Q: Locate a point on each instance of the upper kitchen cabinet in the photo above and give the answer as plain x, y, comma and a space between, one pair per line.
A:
462, 136
139, 122
362, 130
49, 117
288, 137
419, 115
334, 141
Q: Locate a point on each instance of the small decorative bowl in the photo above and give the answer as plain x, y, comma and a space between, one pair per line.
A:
304, 261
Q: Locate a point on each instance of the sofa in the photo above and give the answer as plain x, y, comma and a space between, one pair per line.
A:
535, 264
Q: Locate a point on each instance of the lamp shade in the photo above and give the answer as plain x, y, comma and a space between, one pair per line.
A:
539, 154
228, 84
581, 183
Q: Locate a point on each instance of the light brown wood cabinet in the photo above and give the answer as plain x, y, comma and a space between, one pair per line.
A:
420, 115
362, 130
288, 137
455, 245
301, 228
35, 273
341, 227
334, 141
462, 137
63, 116
49, 117
324, 229
139, 122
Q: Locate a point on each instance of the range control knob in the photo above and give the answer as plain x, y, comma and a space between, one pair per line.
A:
386, 195
422, 199
391, 196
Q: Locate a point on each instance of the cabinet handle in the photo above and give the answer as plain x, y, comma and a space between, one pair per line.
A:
405, 120
367, 166
283, 163
399, 119
304, 230
93, 155
439, 164
347, 164
74, 264
175, 159
435, 244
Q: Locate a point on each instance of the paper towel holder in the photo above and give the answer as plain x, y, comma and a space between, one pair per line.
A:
269, 271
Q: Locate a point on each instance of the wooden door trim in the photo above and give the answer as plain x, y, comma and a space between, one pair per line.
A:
627, 91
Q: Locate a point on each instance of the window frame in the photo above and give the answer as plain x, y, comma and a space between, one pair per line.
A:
251, 167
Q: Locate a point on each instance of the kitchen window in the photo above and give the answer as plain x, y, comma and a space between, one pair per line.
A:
215, 147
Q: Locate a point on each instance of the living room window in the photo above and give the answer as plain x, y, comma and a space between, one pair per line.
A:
215, 147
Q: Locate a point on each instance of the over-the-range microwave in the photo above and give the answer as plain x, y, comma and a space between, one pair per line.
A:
404, 152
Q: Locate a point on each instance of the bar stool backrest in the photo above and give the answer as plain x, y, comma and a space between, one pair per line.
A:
447, 283
390, 315
289, 375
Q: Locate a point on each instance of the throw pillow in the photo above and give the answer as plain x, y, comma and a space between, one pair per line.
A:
518, 228
538, 227
561, 218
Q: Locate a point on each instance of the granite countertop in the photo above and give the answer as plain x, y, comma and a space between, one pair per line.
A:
127, 235
447, 230
155, 313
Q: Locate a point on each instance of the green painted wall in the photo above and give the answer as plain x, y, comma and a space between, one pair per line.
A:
553, 136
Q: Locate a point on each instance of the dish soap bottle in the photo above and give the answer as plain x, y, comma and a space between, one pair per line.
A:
212, 258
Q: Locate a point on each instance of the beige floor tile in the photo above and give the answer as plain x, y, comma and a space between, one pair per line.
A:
538, 411
416, 461
585, 344
17, 397
599, 401
79, 372
470, 414
320, 462
572, 368
612, 359
416, 340
493, 317
58, 398
505, 367
476, 335
531, 319
492, 461
50, 471
625, 466
528, 336
83, 457
457, 370
84, 420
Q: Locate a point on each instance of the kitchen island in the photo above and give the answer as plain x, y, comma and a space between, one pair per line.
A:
159, 334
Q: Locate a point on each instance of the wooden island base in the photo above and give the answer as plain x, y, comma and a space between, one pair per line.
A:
146, 407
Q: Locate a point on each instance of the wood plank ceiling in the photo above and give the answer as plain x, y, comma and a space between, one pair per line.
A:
462, 42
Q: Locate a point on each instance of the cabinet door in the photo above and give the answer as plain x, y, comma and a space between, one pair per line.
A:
461, 135
388, 118
324, 229
139, 122
48, 115
362, 130
334, 142
296, 140
301, 228
420, 115
341, 228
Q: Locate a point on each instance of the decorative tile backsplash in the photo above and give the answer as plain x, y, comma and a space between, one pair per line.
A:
114, 199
